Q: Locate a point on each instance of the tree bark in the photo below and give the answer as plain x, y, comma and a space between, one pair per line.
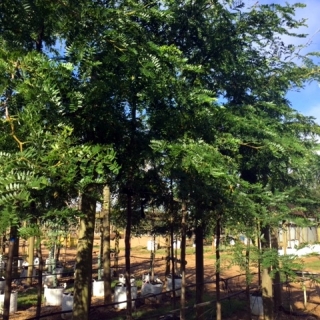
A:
199, 269
9, 271
106, 244
248, 279
277, 287
266, 282
173, 271
30, 260
218, 234
116, 251
167, 270
182, 263
83, 272
127, 255
267, 297
285, 238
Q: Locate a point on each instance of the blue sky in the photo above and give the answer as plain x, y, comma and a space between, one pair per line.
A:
307, 100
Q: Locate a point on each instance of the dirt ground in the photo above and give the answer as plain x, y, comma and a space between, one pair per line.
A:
293, 295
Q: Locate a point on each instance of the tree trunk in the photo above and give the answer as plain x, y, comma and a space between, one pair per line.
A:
30, 260
127, 255
167, 270
173, 271
267, 297
182, 263
106, 244
199, 269
116, 251
259, 251
248, 276
15, 269
266, 282
9, 271
83, 272
39, 286
277, 287
285, 238
218, 303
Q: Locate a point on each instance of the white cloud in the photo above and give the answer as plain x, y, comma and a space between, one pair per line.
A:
314, 112
311, 13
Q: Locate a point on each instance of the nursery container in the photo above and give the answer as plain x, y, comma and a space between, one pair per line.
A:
176, 244
13, 302
122, 279
177, 284
152, 288
53, 296
147, 277
120, 295
48, 279
67, 304
36, 261
98, 288
256, 305
152, 245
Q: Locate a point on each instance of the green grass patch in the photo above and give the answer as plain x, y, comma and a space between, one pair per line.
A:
27, 299
314, 264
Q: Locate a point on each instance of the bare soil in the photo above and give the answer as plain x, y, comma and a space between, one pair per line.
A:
292, 300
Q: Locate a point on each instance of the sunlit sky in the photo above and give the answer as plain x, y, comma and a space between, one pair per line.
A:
307, 100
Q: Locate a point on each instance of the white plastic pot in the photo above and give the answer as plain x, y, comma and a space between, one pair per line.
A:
48, 279
120, 295
155, 288
98, 288
53, 296
36, 261
256, 305
67, 304
177, 285
152, 245
176, 244
122, 279
13, 302
147, 277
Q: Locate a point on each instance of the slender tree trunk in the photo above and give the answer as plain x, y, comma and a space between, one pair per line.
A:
267, 294
173, 271
39, 286
30, 260
218, 233
9, 271
284, 238
277, 288
83, 272
116, 251
167, 270
127, 255
266, 283
183, 260
106, 244
248, 276
259, 253
153, 257
15, 270
199, 269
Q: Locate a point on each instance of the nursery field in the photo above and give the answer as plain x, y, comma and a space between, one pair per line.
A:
232, 282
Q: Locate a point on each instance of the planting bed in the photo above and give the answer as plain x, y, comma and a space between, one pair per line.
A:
233, 308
